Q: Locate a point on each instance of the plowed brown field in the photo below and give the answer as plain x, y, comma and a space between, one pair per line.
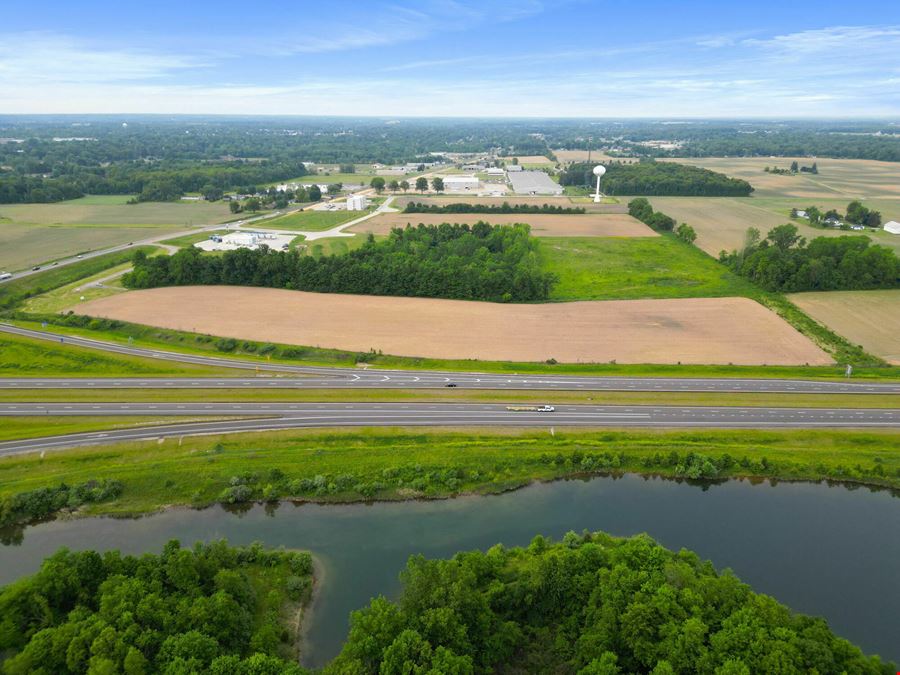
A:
542, 224
697, 330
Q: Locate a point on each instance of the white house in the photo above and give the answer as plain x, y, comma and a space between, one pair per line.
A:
461, 183
892, 226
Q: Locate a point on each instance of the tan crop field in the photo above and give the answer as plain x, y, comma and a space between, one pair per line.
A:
840, 178
87, 211
542, 224
528, 159
721, 222
693, 330
867, 318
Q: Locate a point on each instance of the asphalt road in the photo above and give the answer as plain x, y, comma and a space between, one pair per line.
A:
271, 416
311, 377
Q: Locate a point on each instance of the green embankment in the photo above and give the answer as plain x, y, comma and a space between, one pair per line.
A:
14, 292
29, 357
347, 465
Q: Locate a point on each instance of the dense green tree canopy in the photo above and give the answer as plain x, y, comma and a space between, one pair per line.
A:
211, 609
478, 262
588, 605
783, 261
658, 178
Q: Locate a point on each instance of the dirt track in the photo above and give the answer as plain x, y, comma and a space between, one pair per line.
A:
698, 330
542, 224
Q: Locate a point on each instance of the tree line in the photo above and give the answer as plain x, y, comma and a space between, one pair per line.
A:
505, 207
784, 261
591, 604
160, 181
478, 262
652, 178
212, 609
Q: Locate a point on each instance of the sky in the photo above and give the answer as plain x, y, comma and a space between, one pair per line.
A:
473, 58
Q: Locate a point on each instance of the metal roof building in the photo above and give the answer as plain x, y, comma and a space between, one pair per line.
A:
534, 183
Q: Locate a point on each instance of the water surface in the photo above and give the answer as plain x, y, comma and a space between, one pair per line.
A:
823, 550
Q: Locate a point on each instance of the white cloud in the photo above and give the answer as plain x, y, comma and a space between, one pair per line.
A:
41, 58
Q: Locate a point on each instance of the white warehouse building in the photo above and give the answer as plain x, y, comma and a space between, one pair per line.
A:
461, 183
892, 226
357, 203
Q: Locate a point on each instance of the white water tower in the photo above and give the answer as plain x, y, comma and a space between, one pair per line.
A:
599, 170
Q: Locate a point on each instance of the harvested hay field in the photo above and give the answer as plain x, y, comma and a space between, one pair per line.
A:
867, 318
696, 330
528, 159
844, 178
542, 224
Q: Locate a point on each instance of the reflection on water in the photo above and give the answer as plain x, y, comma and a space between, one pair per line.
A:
823, 550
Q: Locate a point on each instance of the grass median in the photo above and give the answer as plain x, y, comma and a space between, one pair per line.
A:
261, 393
390, 464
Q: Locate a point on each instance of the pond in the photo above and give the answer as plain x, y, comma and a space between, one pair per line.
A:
820, 549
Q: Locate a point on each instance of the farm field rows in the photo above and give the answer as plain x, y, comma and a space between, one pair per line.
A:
542, 224
840, 178
868, 318
722, 222
111, 210
695, 330
22, 246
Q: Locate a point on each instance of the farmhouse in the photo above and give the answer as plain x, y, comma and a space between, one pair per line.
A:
461, 183
534, 183
892, 226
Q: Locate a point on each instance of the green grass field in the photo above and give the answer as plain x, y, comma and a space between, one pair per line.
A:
23, 246
619, 268
191, 239
14, 428
264, 393
195, 470
312, 221
27, 357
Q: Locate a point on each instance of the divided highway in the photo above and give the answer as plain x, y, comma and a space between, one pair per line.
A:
311, 377
272, 416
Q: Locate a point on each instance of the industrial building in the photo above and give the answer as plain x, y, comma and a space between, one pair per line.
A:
892, 226
357, 203
534, 183
461, 183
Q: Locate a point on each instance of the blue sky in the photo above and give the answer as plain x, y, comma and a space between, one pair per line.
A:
576, 58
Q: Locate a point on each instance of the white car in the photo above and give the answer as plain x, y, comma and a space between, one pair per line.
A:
546, 408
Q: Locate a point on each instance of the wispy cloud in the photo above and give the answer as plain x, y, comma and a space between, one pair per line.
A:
41, 58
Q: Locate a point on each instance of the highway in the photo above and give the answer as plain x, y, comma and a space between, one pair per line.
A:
285, 376
272, 416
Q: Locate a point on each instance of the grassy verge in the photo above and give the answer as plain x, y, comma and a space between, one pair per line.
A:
191, 343
625, 268
17, 291
15, 428
28, 357
311, 221
263, 394
330, 465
